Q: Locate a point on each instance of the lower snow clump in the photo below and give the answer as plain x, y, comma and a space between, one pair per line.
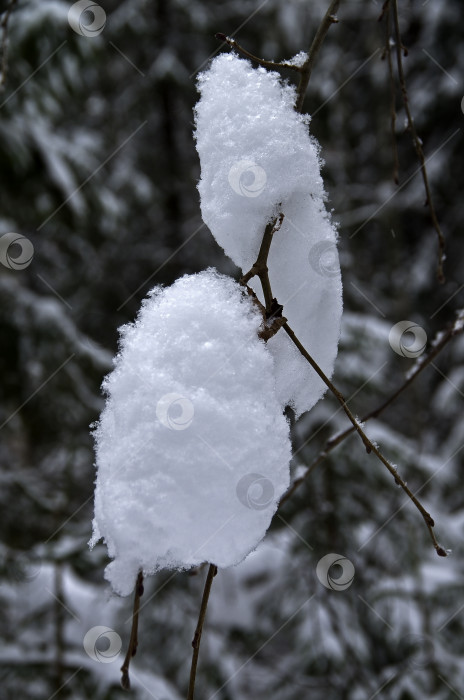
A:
192, 447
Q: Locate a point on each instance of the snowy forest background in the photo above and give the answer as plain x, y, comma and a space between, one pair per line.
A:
99, 171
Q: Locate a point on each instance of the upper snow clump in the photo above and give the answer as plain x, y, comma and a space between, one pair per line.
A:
258, 160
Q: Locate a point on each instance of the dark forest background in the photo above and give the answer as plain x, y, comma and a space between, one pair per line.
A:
98, 170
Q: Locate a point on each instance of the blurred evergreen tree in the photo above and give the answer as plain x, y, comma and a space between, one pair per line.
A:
99, 172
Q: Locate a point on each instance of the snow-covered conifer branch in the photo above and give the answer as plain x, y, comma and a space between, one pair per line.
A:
4, 43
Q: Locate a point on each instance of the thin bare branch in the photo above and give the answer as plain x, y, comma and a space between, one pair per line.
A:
260, 267
388, 53
261, 61
212, 571
273, 308
307, 67
369, 445
417, 143
443, 338
133, 642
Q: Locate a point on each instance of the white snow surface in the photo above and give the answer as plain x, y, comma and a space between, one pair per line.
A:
298, 60
258, 159
192, 447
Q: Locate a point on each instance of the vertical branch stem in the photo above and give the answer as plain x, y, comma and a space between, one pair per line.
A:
307, 67
212, 571
260, 267
388, 53
417, 143
59, 629
133, 642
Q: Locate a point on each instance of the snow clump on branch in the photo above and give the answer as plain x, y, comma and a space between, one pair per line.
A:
192, 447
258, 160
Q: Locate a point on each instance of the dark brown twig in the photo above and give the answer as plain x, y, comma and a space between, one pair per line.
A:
212, 571
260, 267
369, 445
261, 61
307, 67
417, 143
388, 54
133, 642
261, 270
340, 437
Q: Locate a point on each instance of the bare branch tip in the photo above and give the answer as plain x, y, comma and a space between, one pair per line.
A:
125, 681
